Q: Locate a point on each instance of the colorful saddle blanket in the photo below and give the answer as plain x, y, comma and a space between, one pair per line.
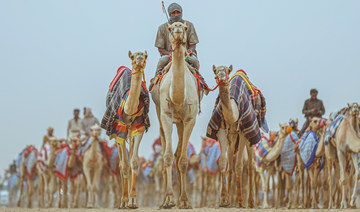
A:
261, 149
61, 164
29, 158
43, 156
209, 158
288, 156
330, 132
118, 92
190, 150
251, 105
307, 148
114, 160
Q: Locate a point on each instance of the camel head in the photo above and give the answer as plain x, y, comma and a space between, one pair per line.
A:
316, 123
95, 131
138, 59
354, 109
177, 33
222, 74
74, 141
194, 160
54, 143
284, 129
294, 123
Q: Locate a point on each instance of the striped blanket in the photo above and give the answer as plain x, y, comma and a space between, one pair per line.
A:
112, 120
330, 132
288, 156
261, 149
307, 148
252, 109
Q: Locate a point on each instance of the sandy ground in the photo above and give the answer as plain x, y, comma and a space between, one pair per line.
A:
155, 209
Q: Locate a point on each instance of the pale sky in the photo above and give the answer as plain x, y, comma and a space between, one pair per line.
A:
59, 55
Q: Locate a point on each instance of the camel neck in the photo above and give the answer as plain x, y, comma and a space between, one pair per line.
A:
132, 102
178, 75
224, 93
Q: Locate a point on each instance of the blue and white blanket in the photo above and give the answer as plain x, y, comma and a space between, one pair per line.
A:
213, 154
307, 148
288, 156
330, 132
61, 161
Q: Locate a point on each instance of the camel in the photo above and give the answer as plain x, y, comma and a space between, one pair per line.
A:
308, 185
347, 141
67, 166
131, 125
269, 160
178, 102
232, 139
28, 172
47, 178
93, 163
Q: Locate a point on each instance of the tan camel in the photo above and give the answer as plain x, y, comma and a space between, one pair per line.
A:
63, 181
268, 160
178, 102
47, 178
308, 185
347, 141
228, 137
93, 163
28, 172
131, 107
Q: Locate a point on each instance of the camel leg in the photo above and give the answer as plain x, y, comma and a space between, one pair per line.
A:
167, 121
250, 168
223, 160
41, 191
124, 164
134, 169
312, 179
183, 163
30, 189
238, 171
354, 157
51, 189
180, 131
342, 161
21, 183
64, 199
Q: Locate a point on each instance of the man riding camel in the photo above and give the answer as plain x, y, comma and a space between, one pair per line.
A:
164, 45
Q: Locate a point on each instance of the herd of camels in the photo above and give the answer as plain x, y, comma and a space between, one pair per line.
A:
330, 179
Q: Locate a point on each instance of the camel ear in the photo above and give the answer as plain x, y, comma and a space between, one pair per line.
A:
348, 104
296, 120
230, 68
168, 27
214, 69
186, 26
146, 55
289, 119
131, 56
280, 125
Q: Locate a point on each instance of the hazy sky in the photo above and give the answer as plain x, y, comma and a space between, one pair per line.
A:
59, 55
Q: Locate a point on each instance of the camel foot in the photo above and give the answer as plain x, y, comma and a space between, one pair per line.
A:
250, 204
124, 204
168, 202
266, 206
224, 201
352, 203
132, 203
184, 205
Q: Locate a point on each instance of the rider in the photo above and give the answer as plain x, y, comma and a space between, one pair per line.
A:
163, 42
